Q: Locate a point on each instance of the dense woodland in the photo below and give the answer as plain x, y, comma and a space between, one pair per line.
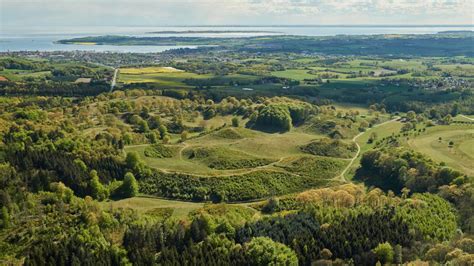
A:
69, 149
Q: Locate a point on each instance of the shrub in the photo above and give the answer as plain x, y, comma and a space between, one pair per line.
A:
384, 252
130, 186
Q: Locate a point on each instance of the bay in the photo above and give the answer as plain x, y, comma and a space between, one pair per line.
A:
44, 39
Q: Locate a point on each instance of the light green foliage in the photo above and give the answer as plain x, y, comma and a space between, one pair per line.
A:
163, 131
264, 251
98, 191
5, 218
384, 253
143, 126
66, 194
234, 215
431, 216
130, 186
133, 161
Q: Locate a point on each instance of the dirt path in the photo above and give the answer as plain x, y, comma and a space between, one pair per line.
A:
185, 145
340, 176
354, 139
267, 166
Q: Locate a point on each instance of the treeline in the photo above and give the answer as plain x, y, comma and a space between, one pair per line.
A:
65, 89
394, 169
250, 186
404, 172
21, 64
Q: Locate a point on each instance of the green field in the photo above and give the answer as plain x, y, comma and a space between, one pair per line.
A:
22, 75
382, 131
297, 74
169, 77
230, 144
165, 79
143, 204
459, 156
162, 76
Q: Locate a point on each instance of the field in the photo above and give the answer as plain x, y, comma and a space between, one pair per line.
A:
143, 204
297, 74
355, 69
22, 75
230, 144
162, 76
181, 209
382, 131
149, 70
435, 143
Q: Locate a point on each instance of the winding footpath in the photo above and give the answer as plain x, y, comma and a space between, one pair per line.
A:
354, 139
268, 166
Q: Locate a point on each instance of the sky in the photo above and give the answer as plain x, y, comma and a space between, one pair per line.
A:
38, 13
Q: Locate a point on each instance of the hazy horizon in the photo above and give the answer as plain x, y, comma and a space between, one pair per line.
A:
241, 13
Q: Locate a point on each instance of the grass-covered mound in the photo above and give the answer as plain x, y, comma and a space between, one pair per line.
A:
335, 128
330, 147
318, 167
224, 159
232, 133
250, 186
158, 151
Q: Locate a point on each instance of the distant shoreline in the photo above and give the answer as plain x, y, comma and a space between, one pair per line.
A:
326, 26
210, 31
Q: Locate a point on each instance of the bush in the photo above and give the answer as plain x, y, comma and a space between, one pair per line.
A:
384, 253
235, 122
130, 186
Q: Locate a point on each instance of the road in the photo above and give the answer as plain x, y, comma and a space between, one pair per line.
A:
354, 139
468, 118
114, 79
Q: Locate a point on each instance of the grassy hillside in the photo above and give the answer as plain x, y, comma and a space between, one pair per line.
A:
435, 143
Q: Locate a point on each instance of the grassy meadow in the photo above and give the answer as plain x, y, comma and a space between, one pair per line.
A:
435, 143
161, 76
144, 204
